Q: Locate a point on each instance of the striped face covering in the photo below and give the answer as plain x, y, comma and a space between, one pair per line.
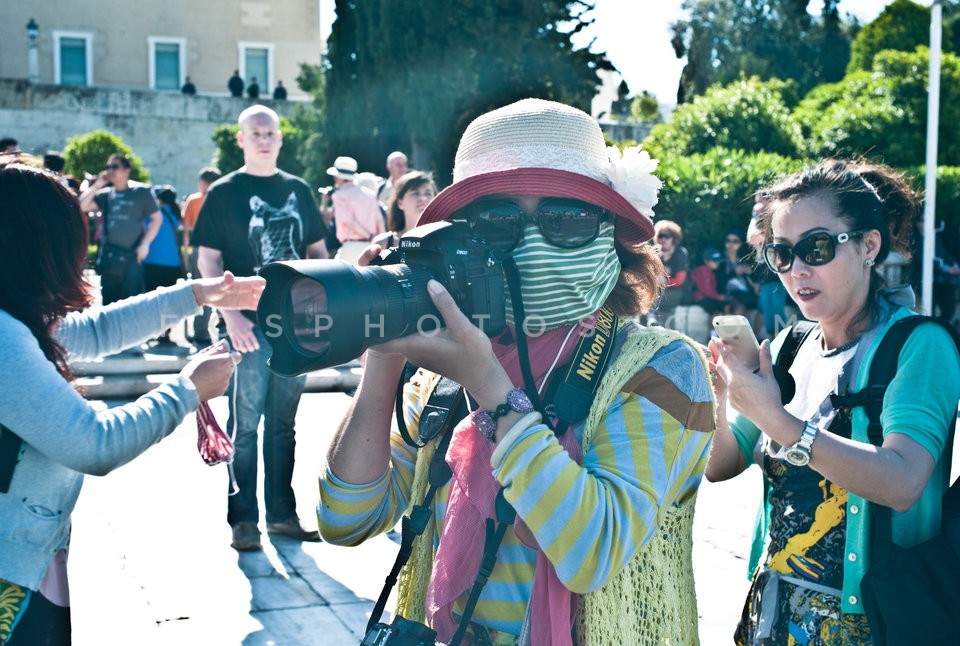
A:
562, 286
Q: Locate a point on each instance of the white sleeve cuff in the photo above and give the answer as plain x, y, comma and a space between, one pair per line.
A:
504, 445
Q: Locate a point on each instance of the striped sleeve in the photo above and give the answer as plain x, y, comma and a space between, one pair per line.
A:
349, 514
591, 519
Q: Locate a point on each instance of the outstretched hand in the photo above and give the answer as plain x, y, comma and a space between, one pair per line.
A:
228, 292
460, 350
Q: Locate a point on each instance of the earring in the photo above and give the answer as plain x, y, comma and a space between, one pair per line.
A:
869, 262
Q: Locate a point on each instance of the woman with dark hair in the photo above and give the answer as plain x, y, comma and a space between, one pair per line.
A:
604, 488
50, 436
824, 232
411, 195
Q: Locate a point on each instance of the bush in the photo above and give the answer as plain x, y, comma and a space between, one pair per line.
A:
748, 115
882, 114
89, 153
708, 193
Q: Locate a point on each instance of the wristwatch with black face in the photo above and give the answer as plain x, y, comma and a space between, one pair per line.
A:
799, 454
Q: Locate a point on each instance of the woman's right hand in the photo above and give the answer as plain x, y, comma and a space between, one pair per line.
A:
210, 370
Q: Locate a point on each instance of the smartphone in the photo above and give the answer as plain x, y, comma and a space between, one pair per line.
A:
737, 333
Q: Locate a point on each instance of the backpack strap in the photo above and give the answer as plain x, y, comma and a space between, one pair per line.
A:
798, 333
883, 368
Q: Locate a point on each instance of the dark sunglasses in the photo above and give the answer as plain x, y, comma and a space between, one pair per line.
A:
116, 166
664, 236
564, 223
814, 250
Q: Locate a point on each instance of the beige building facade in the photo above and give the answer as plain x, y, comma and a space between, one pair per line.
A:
68, 67
156, 45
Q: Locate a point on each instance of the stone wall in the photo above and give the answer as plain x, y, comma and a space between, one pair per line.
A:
170, 132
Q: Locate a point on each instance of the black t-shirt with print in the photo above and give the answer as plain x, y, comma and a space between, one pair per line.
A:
255, 220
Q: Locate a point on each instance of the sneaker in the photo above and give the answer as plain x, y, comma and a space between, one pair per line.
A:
246, 537
291, 527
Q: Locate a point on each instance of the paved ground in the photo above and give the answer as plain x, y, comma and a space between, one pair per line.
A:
150, 560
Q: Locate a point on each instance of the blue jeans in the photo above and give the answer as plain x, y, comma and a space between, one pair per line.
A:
773, 301
260, 392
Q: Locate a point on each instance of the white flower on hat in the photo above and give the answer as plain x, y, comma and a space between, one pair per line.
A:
631, 175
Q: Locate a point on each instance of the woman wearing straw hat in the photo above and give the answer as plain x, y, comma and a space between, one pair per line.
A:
604, 504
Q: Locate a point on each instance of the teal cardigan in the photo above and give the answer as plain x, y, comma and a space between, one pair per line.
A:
921, 396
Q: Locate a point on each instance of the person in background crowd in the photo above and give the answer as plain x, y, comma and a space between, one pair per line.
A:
772, 295
734, 275
279, 92
50, 436
946, 272
253, 90
704, 281
188, 87
54, 162
235, 84
9, 145
130, 220
824, 232
200, 325
396, 168
604, 505
676, 261
413, 192
163, 266
278, 220
355, 210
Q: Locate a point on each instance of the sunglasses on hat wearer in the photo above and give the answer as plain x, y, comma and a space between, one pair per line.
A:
664, 236
814, 250
564, 222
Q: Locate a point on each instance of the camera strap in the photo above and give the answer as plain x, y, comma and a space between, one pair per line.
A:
520, 319
574, 395
495, 532
447, 406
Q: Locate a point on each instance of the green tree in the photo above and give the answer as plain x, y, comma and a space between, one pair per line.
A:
749, 115
410, 74
89, 153
229, 157
883, 113
645, 107
903, 25
724, 39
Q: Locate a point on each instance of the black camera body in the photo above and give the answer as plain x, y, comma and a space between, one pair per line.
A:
402, 632
321, 313
464, 264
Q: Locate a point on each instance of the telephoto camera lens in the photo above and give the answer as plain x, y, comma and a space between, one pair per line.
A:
322, 313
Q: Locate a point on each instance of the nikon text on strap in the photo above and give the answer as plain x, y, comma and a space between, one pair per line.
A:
575, 393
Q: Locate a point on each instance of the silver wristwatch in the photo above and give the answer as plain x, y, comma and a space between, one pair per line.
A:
799, 454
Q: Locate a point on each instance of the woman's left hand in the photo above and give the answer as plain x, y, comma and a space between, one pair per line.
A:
228, 292
751, 393
460, 350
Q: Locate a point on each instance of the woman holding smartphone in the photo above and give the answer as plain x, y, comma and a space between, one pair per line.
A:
826, 230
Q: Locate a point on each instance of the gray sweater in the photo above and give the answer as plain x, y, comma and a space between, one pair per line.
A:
64, 437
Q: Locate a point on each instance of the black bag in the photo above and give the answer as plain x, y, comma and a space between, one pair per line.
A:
114, 263
910, 595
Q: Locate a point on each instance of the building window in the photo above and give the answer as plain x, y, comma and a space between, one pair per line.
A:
256, 61
167, 62
72, 63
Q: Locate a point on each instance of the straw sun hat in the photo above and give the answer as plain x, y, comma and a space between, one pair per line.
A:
345, 167
547, 149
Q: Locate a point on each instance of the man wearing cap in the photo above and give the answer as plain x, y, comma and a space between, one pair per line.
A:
355, 210
251, 217
396, 168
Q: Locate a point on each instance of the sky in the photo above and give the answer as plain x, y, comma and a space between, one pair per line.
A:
636, 36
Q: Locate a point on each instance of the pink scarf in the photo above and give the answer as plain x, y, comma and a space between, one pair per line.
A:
473, 490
